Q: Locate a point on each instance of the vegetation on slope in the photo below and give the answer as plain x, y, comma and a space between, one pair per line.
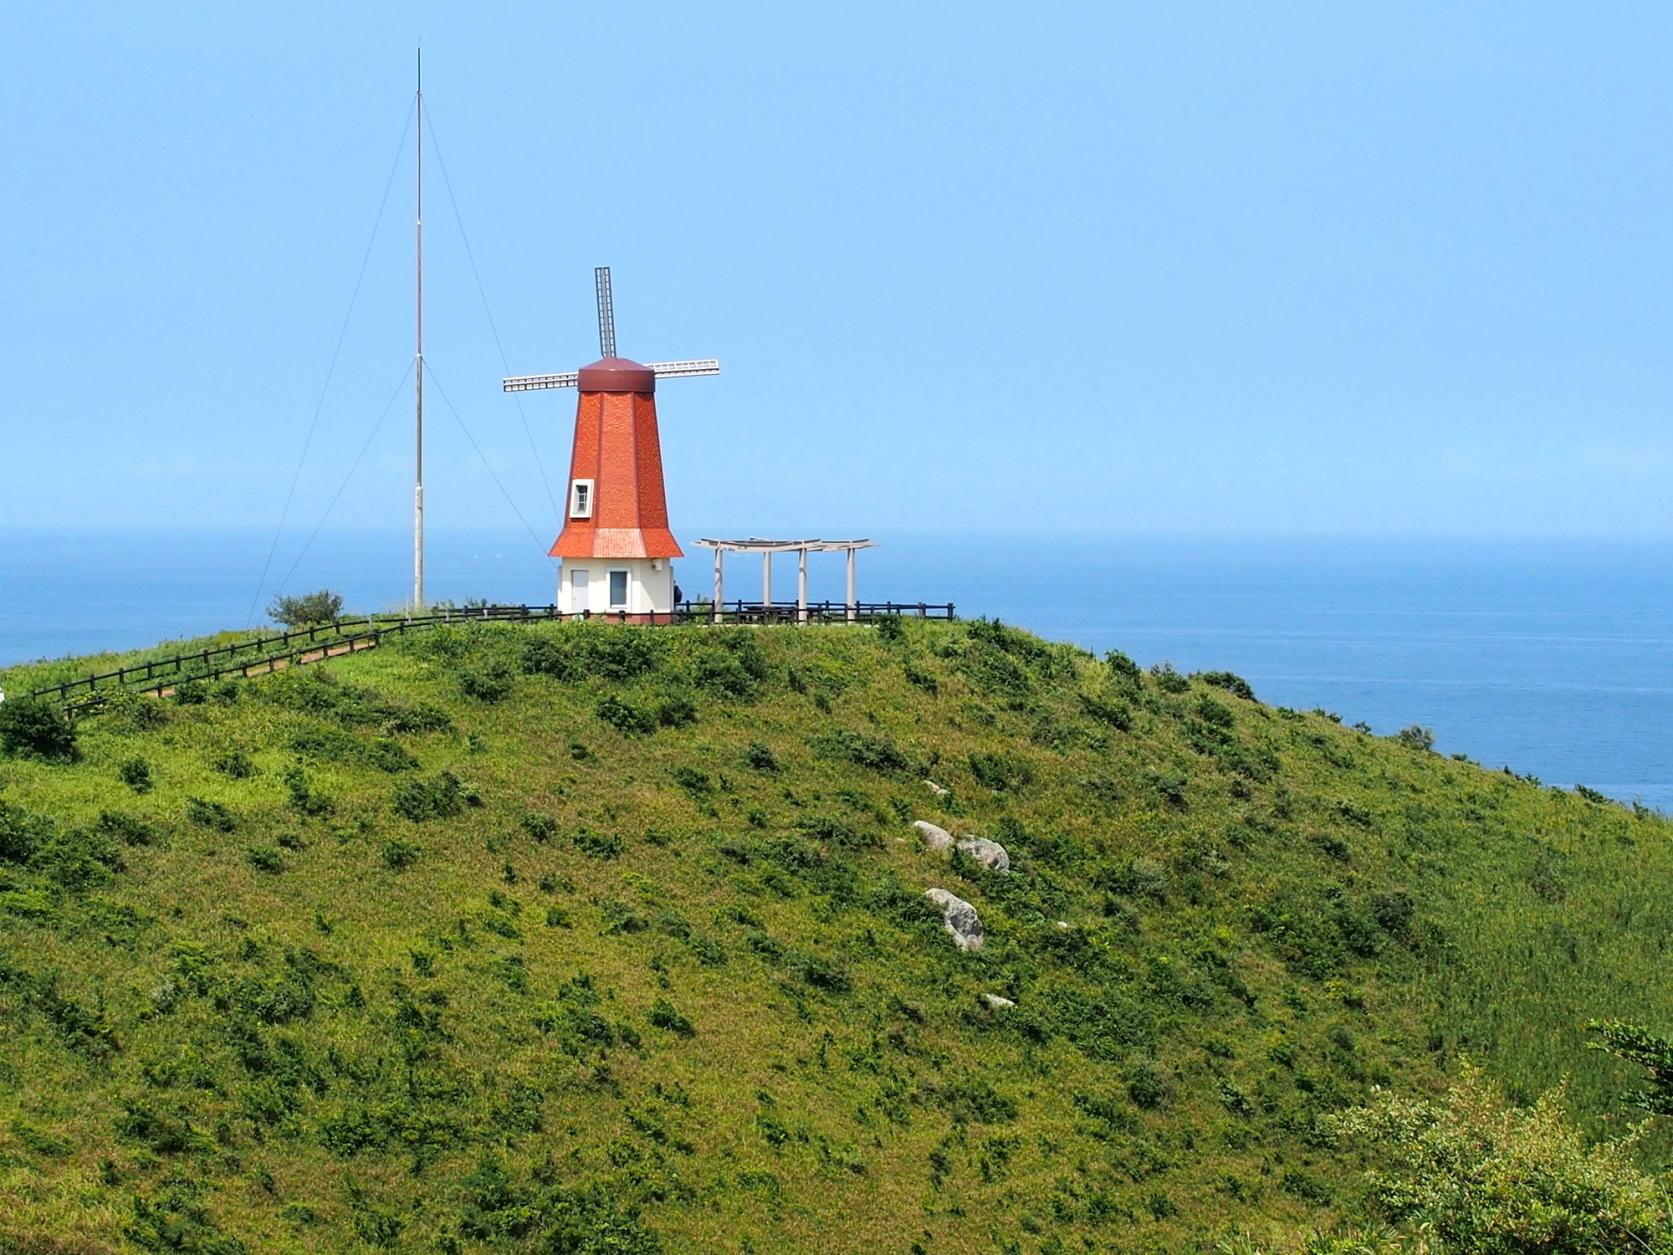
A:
577, 938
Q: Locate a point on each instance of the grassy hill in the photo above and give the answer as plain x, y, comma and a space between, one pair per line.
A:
606, 939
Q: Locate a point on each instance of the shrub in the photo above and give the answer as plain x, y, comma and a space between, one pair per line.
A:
33, 728
663, 1015
1472, 1173
918, 677
264, 858
21, 832
440, 796
1001, 772
399, 855
620, 653
128, 829
540, 828
1122, 668
601, 845
1637, 1044
1416, 737
236, 764
322, 606
191, 693
1145, 1086
209, 814
488, 681
874, 753
1233, 683
676, 710
389, 755
1167, 679
761, 757
1112, 711
136, 774
624, 716
302, 795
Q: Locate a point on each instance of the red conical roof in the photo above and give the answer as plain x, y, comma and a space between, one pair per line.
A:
617, 447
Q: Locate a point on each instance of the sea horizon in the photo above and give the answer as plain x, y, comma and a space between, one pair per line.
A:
1550, 656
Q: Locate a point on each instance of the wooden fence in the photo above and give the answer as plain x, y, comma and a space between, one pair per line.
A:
265, 654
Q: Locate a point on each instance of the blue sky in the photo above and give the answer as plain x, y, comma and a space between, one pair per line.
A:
1212, 269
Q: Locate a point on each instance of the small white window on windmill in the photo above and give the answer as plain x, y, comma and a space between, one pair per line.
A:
581, 499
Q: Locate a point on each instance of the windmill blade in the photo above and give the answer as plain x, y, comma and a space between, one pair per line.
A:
678, 370
606, 312
533, 383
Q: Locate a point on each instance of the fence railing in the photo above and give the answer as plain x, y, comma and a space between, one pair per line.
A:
264, 654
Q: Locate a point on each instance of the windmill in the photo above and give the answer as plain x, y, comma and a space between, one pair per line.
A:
615, 544
607, 352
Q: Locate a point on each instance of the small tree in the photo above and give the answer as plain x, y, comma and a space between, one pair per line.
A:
1636, 1044
319, 607
33, 727
1470, 1172
1417, 737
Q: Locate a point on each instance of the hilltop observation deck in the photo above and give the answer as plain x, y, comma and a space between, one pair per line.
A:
767, 609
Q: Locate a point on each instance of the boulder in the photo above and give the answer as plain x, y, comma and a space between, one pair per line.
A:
989, 854
959, 918
996, 1002
935, 788
935, 836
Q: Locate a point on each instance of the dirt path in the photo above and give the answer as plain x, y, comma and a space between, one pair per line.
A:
279, 664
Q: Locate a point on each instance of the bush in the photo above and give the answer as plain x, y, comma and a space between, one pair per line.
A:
1416, 737
33, 728
136, 774
676, 710
318, 607
1167, 679
1146, 1087
399, 855
236, 764
264, 858
488, 681
440, 796
1637, 1044
1234, 684
1472, 1173
624, 716
874, 753
761, 757
209, 814
664, 1015
1122, 668
1001, 772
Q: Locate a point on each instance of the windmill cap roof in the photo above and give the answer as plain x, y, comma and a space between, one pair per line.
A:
617, 374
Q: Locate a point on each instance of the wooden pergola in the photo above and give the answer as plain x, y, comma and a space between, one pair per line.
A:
767, 548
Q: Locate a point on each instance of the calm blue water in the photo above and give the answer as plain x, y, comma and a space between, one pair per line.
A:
1555, 658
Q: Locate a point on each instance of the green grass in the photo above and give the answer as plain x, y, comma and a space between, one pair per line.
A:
605, 939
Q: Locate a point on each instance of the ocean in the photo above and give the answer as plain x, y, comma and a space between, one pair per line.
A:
1554, 658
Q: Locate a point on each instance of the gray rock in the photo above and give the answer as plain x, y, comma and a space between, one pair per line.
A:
935, 836
996, 1002
989, 854
935, 788
959, 918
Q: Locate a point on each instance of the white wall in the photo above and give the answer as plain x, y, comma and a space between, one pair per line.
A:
648, 588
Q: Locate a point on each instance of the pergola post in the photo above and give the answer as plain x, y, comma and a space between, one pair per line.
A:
801, 585
853, 603
720, 582
766, 584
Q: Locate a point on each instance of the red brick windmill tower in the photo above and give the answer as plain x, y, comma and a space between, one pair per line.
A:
615, 544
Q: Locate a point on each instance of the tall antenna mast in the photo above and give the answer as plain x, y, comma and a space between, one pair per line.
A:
418, 481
